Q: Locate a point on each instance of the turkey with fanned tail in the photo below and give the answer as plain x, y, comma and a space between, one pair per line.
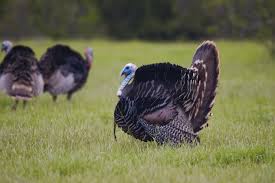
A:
166, 102
20, 76
64, 70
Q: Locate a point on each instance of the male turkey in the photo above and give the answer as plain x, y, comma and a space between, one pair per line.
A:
64, 70
20, 76
166, 102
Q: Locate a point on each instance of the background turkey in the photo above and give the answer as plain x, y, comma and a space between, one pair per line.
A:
20, 76
168, 103
64, 70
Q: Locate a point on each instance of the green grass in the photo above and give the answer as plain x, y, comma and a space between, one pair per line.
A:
73, 141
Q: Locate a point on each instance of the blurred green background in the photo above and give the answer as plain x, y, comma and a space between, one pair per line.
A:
142, 19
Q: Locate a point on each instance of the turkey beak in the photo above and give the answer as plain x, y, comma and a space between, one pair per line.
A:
122, 73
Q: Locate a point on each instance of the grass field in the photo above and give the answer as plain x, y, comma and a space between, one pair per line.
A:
73, 141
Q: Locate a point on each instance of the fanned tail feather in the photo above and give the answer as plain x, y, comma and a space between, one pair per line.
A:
206, 62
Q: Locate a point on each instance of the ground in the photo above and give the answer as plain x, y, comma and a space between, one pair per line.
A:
73, 141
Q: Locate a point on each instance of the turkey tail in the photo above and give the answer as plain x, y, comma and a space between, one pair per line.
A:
206, 62
21, 91
22, 84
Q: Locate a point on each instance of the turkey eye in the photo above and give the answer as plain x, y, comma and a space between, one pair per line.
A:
127, 67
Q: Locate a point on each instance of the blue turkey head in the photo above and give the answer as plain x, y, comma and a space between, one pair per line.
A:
89, 54
89, 51
128, 69
6, 46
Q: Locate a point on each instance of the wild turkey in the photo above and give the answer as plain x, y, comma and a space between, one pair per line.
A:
64, 70
168, 103
20, 76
